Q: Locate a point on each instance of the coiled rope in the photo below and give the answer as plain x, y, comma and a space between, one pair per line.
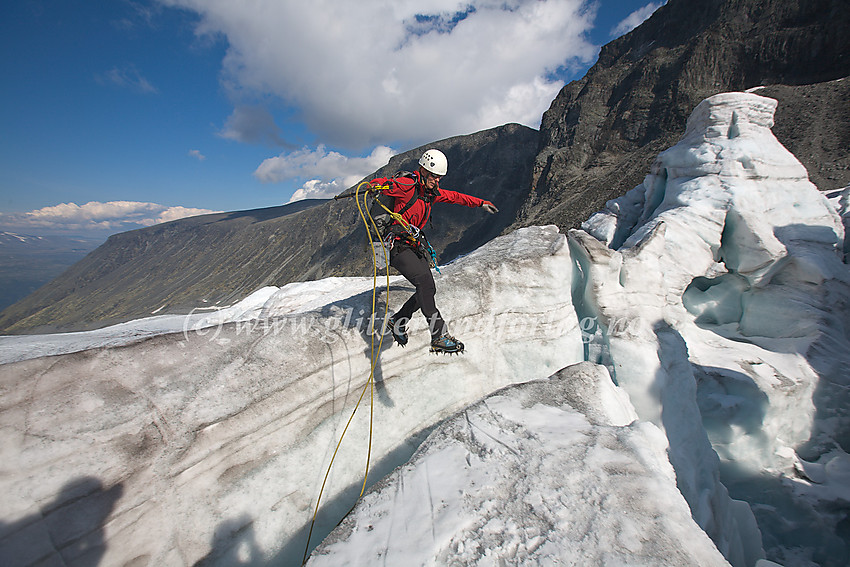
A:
366, 217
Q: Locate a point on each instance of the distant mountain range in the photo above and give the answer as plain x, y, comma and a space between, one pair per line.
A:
595, 143
27, 262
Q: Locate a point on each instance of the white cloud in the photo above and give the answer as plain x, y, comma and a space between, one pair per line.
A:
111, 216
169, 214
365, 73
328, 172
636, 18
318, 189
197, 155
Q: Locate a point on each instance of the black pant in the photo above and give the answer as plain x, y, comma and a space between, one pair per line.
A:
416, 270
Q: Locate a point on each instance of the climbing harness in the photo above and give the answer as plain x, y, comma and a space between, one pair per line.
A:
403, 232
381, 209
367, 218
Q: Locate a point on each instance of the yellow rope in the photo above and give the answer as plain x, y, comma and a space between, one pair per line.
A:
374, 355
396, 216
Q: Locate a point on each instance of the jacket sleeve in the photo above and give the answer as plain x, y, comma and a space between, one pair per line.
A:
456, 198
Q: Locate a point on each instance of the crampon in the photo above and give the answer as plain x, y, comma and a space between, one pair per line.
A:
398, 330
446, 344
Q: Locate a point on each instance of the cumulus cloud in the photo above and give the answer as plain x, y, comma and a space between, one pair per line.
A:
112, 216
371, 72
197, 155
327, 172
636, 18
318, 189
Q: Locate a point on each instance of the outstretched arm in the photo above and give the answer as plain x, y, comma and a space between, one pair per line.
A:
446, 196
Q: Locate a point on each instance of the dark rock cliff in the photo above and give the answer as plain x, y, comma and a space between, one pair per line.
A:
813, 122
601, 133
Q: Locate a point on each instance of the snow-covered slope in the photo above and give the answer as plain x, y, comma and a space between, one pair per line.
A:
177, 447
550, 472
618, 385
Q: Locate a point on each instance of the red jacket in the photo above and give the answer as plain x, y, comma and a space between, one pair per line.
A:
402, 189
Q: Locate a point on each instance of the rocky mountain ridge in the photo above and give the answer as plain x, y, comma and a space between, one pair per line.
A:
601, 133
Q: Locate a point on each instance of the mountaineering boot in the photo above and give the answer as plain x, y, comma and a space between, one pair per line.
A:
398, 330
446, 344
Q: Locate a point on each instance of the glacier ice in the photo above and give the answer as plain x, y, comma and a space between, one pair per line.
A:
480, 489
223, 430
748, 278
668, 385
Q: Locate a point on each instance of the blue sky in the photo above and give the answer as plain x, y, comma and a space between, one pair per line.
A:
122, 113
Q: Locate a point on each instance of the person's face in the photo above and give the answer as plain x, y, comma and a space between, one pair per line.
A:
431, 180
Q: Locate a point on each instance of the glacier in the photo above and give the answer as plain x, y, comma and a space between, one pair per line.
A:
667, 385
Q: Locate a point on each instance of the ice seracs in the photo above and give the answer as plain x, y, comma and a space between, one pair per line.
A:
728, 251
717, 296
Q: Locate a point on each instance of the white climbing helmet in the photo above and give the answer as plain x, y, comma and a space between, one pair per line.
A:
435, 162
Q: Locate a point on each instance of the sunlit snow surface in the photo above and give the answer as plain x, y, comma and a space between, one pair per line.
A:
524, 477
619, 384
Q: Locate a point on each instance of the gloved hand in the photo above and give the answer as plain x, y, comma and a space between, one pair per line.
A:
489, 207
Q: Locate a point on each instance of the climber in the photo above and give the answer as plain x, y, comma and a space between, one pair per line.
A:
409, 251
